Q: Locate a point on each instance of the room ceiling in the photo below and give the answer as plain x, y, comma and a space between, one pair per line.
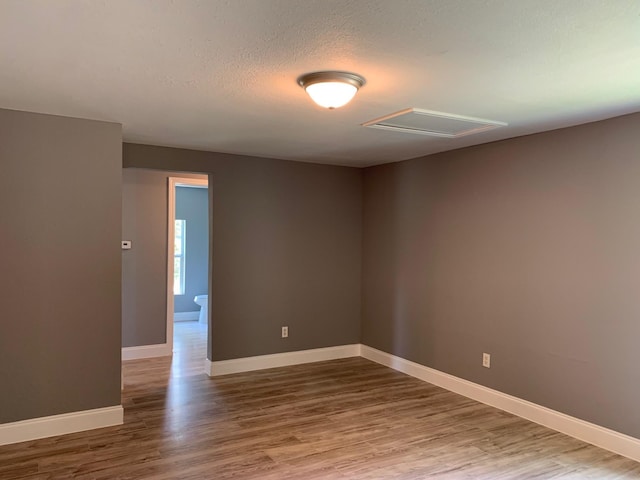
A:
220, 75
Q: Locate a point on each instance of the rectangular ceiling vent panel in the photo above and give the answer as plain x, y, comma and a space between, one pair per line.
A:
436, 124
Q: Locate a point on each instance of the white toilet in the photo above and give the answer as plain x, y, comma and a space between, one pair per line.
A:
203, 301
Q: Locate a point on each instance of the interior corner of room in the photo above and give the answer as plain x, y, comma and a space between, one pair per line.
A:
415, 259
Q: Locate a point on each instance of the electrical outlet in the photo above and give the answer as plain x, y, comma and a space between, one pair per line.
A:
486, 360
285, 332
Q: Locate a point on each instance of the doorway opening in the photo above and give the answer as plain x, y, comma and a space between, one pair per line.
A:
188, 271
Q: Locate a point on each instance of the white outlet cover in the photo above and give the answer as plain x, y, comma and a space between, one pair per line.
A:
486, 360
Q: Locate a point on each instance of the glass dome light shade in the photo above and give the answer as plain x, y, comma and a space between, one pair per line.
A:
331, 89
331, 94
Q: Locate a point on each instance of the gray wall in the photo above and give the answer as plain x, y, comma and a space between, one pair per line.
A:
144, 267
192, 205
527, 249
60, 261
285, 249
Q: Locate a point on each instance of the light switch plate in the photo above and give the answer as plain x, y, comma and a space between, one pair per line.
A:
126, 244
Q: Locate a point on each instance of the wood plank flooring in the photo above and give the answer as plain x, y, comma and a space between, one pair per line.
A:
344, 419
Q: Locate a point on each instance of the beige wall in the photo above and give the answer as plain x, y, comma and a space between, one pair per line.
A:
528, 249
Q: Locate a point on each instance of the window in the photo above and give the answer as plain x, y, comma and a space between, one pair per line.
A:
179, 265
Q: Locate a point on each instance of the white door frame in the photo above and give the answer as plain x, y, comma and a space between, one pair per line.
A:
171, 217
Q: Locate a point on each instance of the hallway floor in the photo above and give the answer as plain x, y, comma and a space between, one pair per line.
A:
189, 348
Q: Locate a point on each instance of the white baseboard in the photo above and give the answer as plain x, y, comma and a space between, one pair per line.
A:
146, 351
42, 427
261, 362
186, 316
588, 432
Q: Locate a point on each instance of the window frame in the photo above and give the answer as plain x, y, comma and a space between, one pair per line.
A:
179, 256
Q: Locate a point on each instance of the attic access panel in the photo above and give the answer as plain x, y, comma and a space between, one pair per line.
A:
436, 124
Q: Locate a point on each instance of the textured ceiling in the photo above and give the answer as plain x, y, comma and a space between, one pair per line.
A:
221, 75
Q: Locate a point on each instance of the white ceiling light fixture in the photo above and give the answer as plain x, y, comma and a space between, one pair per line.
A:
331, 89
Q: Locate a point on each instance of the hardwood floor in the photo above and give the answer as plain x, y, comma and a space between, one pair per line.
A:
343, 419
